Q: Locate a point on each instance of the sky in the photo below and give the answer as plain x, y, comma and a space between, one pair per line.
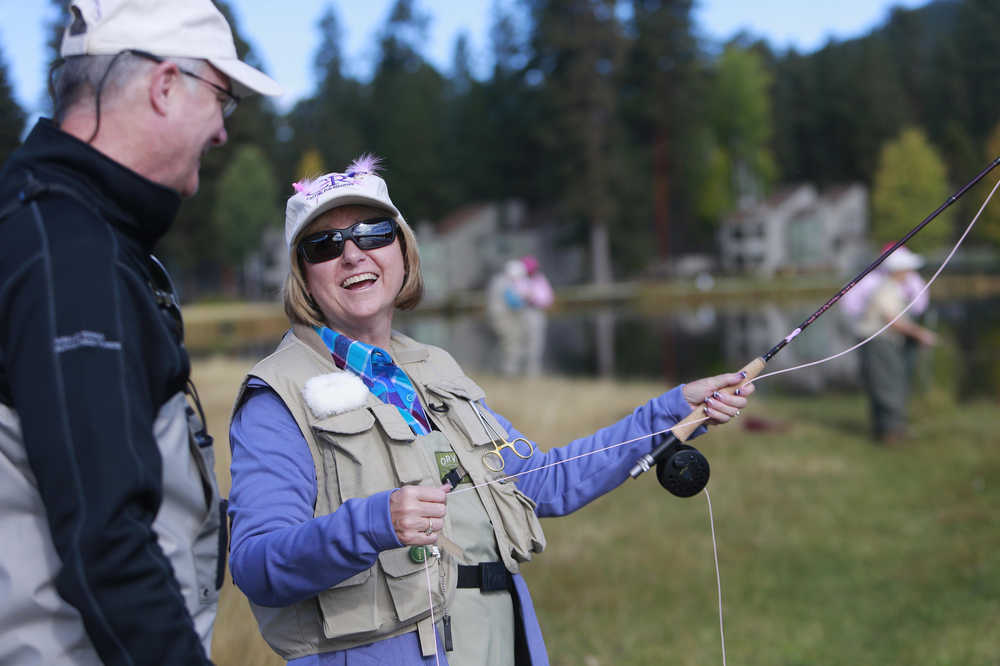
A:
286, 40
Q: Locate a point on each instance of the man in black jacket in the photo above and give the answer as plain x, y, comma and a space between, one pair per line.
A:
109, 513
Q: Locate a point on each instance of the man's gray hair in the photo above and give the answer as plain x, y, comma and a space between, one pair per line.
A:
97, 79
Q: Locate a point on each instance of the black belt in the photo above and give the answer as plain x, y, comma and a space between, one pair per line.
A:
487, 576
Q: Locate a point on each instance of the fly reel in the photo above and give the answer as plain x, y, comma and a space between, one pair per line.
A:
683, 470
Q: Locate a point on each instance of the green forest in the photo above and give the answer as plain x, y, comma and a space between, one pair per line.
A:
616, 119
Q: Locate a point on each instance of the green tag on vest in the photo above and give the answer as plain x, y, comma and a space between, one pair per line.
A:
447, 461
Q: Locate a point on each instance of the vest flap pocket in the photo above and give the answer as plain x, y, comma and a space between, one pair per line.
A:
348, 423
397, 562
393, 423
346, 440
458, 387
458, 393
520, 522
408, 459
347, 608
463, 414
366, 461
407, 583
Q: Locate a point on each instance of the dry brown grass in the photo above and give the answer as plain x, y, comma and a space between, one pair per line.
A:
236, 641
832, 551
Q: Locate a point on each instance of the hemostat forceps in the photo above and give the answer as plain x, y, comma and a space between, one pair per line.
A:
518, 445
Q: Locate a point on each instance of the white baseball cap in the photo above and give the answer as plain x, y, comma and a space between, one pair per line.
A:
902, 259
358, 184
165, 28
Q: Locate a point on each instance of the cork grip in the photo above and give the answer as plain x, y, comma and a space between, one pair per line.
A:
684, 428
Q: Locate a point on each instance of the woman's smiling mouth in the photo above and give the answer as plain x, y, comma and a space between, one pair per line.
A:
358, 279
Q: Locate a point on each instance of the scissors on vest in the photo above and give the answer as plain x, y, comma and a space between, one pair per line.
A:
518, 445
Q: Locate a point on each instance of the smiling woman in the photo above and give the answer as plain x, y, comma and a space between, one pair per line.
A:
354, 258
348, 439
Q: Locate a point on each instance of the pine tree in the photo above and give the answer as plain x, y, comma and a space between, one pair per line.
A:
332, 121
577, 50
12, 117
662, 93
406, 122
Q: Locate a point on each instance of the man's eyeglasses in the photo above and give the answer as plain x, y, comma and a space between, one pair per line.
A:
366, 234
228, 100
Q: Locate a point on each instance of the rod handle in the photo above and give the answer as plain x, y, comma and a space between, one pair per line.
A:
688, 425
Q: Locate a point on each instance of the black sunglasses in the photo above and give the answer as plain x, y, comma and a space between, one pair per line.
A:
366, 234
227, 99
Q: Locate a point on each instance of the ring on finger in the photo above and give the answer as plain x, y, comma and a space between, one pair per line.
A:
430, 527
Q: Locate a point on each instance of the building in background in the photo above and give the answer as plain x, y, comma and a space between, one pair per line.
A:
797, 231
466, 247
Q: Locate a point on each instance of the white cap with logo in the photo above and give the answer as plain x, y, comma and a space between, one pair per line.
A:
359, 184
165, 28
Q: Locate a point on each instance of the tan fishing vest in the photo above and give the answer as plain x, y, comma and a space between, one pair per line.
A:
369, 449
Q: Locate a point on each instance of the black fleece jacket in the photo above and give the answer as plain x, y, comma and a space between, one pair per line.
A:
87, 358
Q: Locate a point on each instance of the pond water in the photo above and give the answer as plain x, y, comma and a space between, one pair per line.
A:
685, 344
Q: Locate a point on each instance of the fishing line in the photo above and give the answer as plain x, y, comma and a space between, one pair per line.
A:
718, 578
770, 354
789, 337
560, 462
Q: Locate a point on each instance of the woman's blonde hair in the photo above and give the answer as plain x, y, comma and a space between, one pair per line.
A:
301, 308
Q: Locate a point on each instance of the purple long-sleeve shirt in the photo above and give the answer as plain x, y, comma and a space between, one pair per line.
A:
282, 554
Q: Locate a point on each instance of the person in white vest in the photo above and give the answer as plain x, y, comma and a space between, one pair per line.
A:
111, 523
370, 522
887, 361
504, 304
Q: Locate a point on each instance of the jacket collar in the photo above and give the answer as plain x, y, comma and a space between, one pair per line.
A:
136, 205
404, 350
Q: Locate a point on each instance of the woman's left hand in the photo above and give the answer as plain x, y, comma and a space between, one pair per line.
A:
720, 397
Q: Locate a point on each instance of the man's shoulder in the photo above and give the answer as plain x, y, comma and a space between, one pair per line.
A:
23, 183
53, 225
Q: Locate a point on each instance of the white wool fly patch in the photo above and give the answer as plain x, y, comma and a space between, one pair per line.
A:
334, 393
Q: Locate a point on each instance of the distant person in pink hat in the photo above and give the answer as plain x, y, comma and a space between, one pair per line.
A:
505, 303
538, 297
110, 518
886, 370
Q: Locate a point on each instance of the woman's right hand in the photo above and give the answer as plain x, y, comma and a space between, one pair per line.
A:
719, 406
418, 513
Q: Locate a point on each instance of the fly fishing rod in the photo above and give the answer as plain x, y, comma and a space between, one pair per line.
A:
681, 468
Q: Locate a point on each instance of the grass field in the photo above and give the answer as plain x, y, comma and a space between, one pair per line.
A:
832, 551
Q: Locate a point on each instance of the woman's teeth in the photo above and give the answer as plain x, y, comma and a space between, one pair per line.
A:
354, 279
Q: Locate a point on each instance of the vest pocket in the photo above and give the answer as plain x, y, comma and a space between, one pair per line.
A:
407, 583
359, 466
349, 606
458, 396
409, 462
368, 461
520, 522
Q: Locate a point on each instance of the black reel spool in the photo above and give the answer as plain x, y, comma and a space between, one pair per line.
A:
684, 471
